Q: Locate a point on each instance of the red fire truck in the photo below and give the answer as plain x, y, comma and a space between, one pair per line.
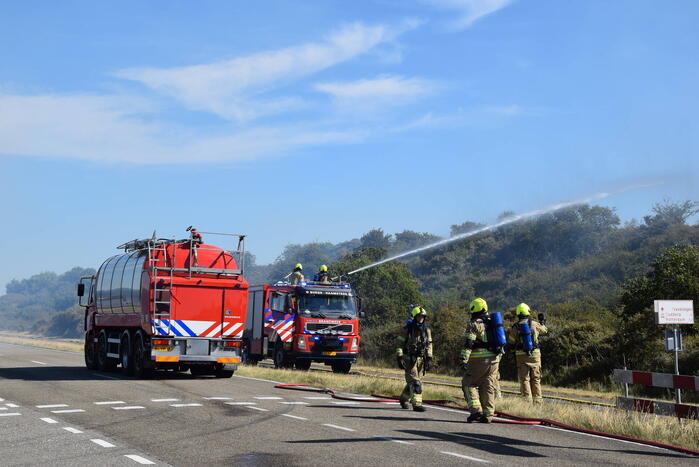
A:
171, 304
299, 324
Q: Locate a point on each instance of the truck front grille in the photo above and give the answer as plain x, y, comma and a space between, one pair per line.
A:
327, 328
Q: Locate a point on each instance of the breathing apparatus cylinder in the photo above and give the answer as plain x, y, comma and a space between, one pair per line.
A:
525, 333
496, 331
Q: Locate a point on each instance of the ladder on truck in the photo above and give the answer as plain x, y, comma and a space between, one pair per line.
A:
161, 308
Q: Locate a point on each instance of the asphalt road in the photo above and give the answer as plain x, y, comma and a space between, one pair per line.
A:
54, 411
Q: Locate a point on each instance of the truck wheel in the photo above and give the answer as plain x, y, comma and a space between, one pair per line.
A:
126, 354
280, 360
140, 357
90, 357
245, 356
341, 367
104, 363
221, 373
303, 364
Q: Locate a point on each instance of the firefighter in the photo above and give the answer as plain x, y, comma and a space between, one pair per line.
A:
322, 276
480, 365
528, 361
297, 274
414, 355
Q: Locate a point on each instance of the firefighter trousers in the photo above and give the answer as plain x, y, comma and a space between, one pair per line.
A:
529, 372
478, 384
414, 370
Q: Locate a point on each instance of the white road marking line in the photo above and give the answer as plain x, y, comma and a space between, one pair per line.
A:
317, 398
39, 363
2, 400
465, 457
104, 376
14, 406
3, 408
129, 407
9, 414
49, 420
256, 408
218, 398
268, 398
293, 403
462, 412
344, 402
72, 430
109, 402
338, 427
293, 416
603, 437
103, 443
399, 441
51, 406
240, 403
257, 379
391, 403
139, 459
164, 400
68, 411
185, 405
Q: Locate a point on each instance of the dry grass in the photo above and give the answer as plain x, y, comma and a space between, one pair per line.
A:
69, 345
504, 384
668, 430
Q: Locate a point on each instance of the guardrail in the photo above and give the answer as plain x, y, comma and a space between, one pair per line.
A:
657, 380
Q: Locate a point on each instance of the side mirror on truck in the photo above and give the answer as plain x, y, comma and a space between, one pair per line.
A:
81, 289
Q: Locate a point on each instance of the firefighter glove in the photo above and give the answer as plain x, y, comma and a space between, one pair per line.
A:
428, 363
401, 362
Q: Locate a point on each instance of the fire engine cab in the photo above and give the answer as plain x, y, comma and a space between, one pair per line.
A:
298, 324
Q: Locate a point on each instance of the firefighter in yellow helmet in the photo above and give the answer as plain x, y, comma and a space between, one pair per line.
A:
322, 276
479, 364
414, 355
524, 335
297, 274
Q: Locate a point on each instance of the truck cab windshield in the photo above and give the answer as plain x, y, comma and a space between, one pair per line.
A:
320, 306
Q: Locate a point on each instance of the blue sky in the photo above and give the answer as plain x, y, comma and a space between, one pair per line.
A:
303, 121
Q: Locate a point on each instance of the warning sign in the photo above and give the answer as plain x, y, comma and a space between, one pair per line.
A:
674, 311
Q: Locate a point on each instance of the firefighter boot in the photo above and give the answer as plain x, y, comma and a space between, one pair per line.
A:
483, 419
419, 408
476, 416
404, 404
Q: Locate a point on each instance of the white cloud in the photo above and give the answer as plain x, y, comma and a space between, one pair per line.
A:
469, 11
108, 129
231, 88
382, 88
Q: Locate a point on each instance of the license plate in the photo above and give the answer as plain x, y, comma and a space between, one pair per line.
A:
330, 354
162, 347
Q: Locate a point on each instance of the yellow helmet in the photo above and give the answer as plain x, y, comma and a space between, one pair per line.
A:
523, 310
323, 268
298, 266
478, 305
418, 310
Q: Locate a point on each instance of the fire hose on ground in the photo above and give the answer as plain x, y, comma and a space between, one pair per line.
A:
502, 417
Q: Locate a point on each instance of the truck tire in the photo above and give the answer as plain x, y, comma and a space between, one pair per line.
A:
141, 367
281, 360
104, 363
221, 373
343, 366
303, 364
90, 356
245, 356
126, 354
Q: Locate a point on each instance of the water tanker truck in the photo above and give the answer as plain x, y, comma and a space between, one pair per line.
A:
296, 325
166, 304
